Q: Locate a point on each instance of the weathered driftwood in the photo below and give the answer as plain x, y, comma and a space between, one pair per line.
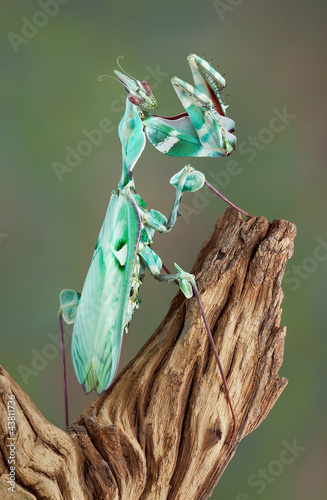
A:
161, 431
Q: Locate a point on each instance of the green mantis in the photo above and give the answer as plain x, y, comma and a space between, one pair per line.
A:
102, 312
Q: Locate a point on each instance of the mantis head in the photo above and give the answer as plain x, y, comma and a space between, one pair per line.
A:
138, 92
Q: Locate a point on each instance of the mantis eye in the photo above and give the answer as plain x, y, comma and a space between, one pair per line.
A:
146, 86
133, 99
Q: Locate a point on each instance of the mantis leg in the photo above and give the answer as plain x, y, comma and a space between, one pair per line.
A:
197, 295
192, 180
63, 361
189, 180
177, 136
188, 287
69, 300
213, 130
226, 200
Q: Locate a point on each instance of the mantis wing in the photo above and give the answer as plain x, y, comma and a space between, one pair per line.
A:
101, 314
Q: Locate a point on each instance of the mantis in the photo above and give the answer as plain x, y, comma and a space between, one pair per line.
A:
102, 312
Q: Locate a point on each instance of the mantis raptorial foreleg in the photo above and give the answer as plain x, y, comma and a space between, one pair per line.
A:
200, 132
203, 130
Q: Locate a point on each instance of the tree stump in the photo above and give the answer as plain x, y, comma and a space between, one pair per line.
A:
161, 431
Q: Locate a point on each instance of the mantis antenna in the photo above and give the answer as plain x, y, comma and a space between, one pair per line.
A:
100, 78
122, 57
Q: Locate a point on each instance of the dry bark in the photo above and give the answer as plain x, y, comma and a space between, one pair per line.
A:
161, 431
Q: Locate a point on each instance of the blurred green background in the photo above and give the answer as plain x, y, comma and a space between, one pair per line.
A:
273, 57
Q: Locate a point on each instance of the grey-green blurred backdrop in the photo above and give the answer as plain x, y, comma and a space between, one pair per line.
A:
273, 55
